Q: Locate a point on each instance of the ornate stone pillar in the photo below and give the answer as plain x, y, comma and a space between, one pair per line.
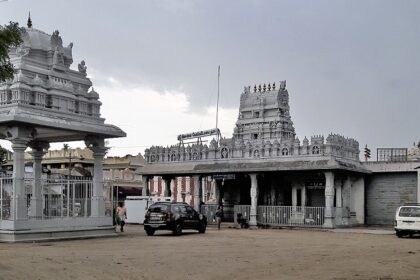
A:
345, 193
39, 149
198, 195
167, 183
97, 146
213, 191
18, 209
338, 196
178, 190
145, 191
156, 187
188, 190
172, 188
294, 195
254, 200
303, 196
204, 188
20, 137
218, 188
329, 200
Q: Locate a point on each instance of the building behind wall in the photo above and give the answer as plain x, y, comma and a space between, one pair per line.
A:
119, 173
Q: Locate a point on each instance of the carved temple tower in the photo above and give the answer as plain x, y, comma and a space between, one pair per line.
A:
49, 102
264, 115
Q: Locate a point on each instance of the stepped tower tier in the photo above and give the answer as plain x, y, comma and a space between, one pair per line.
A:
264, 114
47, 94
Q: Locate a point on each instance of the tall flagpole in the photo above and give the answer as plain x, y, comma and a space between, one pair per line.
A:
217, 105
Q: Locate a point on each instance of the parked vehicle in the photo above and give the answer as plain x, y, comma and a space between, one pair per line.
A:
174, 217
407, 220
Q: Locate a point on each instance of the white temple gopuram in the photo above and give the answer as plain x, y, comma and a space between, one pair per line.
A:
265, 172
49, 102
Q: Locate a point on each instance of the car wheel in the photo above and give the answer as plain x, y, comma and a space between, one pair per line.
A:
178, 229
399, 233
202, 228
150, 231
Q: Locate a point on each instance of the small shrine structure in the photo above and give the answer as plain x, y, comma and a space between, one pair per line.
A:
48, 102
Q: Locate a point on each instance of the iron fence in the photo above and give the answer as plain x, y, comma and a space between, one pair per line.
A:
244, 210
284, 215
209, 210
291, 216
56, 198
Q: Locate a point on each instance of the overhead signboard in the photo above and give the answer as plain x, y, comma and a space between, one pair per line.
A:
198, 134
224, 176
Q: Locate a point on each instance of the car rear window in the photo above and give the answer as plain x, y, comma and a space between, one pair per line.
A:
158, 208
410, 212
175, 208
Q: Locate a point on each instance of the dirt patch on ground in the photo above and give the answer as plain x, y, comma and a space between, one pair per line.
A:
224, 254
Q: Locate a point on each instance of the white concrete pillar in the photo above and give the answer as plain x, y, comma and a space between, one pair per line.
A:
167, 186
345, 194
254, 200
172, 188
204, 189
338, 196
188, 190
198, 196
218, 187
156, 186
294, 196
329, 200
179, 186
145, 191
358, 199
303, 196
18, 209
98, 148
39, 149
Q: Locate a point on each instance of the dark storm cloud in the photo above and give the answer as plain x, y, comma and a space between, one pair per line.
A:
351, 67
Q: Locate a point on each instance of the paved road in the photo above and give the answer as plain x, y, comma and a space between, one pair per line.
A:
225, 254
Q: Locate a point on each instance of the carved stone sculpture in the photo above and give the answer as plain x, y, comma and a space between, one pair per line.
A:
82, 67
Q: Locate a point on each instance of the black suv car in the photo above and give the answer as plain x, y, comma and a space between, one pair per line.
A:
173, 216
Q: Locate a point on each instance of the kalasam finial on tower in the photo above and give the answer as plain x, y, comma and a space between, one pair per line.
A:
29, 21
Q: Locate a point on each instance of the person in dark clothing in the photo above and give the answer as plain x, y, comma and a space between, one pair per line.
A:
219, 216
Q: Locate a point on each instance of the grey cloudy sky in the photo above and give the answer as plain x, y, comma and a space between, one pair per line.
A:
352, 67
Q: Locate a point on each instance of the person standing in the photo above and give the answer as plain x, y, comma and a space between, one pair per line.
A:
219, 216
122, 215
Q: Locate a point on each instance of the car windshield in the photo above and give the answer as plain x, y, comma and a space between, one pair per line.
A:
410, 212
158, 208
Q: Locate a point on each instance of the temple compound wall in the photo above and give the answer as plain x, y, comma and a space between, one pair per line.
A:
390, 185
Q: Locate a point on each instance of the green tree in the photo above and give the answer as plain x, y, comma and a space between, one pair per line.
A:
10, 36
3, 154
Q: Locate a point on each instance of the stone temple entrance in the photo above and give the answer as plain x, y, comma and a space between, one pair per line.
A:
48, 102
279, 180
